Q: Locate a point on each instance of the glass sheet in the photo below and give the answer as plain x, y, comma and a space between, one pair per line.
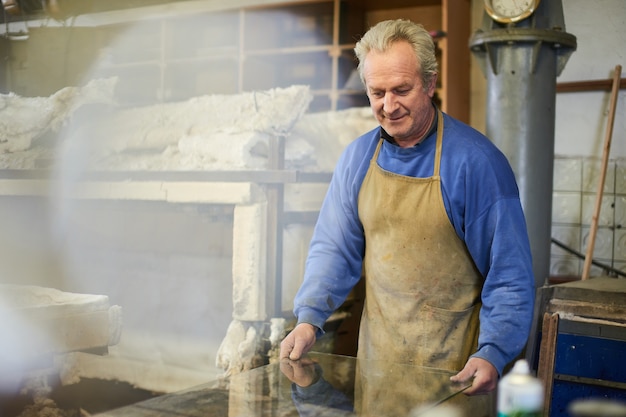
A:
317, 385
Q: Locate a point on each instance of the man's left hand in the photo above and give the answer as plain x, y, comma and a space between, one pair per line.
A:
484, 373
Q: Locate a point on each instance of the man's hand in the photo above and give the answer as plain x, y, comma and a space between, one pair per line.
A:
484, 374
298, 342
301, 372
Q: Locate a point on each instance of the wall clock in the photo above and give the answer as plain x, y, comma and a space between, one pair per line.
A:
510, 11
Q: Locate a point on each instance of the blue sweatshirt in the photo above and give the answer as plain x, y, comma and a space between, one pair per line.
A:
482, 202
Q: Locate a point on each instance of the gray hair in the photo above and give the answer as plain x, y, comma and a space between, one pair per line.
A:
381, 36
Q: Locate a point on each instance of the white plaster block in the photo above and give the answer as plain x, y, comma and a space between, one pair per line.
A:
24, 187
296, 248
174, 192
77, 332
250, 284
212, 192
119, 190
53, 321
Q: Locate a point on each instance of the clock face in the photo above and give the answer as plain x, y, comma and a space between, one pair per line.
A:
507, 11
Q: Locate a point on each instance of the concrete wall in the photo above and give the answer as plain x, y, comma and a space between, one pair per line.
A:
580, 131
580, 134
580, 117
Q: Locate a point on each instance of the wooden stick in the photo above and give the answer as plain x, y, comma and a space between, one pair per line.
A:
589, 85
605, 159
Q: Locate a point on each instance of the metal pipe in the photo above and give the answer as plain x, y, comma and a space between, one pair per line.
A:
521, 62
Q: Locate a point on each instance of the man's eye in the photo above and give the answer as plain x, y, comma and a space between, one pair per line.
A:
376, 94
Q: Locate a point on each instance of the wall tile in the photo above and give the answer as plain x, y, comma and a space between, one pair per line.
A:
566, 207
574, 197
569, 236
620, 176
607, 209
603, 247
564, 266
591, 175
595, 271
619, 248
621, 266
568, 173
620, 211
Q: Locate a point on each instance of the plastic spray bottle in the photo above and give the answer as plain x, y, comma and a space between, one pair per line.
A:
519, 393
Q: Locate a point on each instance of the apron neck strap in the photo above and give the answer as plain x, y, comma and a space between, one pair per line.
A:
439, 143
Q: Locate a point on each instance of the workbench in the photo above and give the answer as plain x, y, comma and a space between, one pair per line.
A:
583, 340
337, 386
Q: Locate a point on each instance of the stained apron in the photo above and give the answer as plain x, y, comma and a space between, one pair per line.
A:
422, 287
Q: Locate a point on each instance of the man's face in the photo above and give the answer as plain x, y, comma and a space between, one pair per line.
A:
397, 96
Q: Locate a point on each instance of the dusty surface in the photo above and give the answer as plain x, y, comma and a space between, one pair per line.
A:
213, 132
90, 396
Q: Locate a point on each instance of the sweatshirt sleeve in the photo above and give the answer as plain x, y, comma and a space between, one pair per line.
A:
485, 209
508, 291
334, 262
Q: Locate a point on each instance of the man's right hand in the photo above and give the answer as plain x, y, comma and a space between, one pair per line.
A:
302, 372
298, 342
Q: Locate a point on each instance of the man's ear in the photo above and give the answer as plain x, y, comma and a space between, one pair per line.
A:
433, 85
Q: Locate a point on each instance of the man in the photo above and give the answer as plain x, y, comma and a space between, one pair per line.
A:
427, 210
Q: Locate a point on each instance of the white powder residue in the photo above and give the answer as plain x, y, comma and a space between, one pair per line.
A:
313, 143
40, 321
155, 127
323, 136
32, 298
231, 150
210, 132
23, 119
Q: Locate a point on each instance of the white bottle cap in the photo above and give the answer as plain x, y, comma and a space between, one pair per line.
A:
521, 367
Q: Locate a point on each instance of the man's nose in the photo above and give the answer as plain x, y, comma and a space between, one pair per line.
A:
390, 103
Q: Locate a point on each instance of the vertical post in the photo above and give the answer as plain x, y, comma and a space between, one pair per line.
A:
275, 210
335, 54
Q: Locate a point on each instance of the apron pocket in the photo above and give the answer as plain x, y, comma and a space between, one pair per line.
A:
453, 335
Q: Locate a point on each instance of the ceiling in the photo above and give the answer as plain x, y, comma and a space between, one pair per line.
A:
396, 4
16, 10
19, 10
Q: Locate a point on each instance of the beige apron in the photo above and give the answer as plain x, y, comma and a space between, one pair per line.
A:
422, 287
